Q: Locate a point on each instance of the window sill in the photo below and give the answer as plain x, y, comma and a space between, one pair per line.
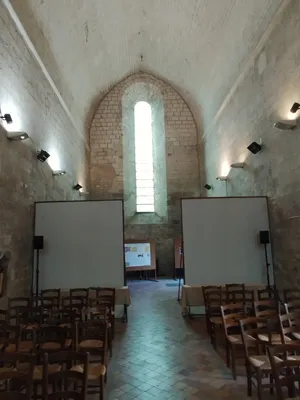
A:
141, 218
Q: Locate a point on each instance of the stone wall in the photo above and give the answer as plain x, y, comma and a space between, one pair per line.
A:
181, 162
34, 107
263, 94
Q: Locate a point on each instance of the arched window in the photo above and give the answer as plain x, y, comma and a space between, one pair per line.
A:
143, 157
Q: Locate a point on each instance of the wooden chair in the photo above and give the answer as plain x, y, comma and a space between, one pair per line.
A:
16, 380
51, 300
292, 306
205, 290
70, 382
106, 296
257, 364
291, 295
231, 314
285, 369
266, 294
231, 288
10, 337
269, 309
214, 301
54, 338
290, 327
100, 311
92, 338
18, 310
246, 297
79, 296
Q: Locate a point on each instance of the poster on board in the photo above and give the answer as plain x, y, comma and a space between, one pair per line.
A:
137, 255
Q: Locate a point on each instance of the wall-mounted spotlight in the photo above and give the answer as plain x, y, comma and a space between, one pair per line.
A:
295, 107
59, 172
286, 125
222, 178
17, 136
254, 147
77, 186
7, 118
208, 187
238, 165
42, 155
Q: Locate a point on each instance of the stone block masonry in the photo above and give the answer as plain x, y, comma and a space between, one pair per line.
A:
108, 146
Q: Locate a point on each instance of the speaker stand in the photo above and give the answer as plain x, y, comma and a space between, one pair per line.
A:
37, 273
268, 268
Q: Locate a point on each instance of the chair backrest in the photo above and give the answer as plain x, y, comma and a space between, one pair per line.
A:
70, 382
251, 329
10, 336
267, 293
89, 331
51, 298
293, 305
266, 308
19, 309
245, 296
16, 377
214, 299
79, 295
231, 315
106, 295
230, 288
53, 338
289, 324
285, 369
290, 295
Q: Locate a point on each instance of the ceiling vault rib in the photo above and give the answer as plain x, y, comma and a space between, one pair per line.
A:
247, 65
36, 56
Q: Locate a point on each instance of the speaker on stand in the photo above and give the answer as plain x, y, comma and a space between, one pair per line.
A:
181, 271
264, 238
38, 244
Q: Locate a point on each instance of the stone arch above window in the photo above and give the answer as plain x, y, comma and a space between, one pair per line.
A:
134, 94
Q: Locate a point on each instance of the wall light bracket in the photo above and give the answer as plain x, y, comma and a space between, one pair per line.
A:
7, 118
286, 125
17, 136
59, 172
238, 165
222, 178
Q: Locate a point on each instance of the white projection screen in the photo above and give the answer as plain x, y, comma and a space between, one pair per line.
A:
221, 240
83, 243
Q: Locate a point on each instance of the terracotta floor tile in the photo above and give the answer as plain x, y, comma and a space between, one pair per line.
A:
160, 355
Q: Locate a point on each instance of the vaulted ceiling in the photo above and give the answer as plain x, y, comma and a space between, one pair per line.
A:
199, 46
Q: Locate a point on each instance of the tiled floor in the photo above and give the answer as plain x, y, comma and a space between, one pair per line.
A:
158, 355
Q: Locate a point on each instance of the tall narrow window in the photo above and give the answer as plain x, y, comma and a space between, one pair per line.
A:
143, 157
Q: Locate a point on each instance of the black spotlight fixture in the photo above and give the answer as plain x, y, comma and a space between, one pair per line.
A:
77, 187
7, 118
42, 155
295, 108
254, 147
208, 187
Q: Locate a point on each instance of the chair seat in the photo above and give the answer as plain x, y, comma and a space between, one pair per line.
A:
262, 362
25, 346
55, 345
94, 371
91, 344
235, 339
296, 335
38, 370
275, 337
216, 320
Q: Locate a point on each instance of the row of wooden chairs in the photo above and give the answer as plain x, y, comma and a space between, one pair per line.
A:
87, 336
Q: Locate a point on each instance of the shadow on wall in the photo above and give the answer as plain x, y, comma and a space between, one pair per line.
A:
177, 153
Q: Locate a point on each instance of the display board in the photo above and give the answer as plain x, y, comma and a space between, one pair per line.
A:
83, 243
221, 240
140, 255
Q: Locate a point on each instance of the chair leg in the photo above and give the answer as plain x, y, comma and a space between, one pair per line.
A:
249, 380
233, 361
227, 354
258, 380
110, 341
101, 391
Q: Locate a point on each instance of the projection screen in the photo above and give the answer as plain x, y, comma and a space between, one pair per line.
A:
221, 240
83, 243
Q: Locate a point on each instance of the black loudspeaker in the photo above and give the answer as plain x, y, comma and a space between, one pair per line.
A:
264, 237
38, 242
